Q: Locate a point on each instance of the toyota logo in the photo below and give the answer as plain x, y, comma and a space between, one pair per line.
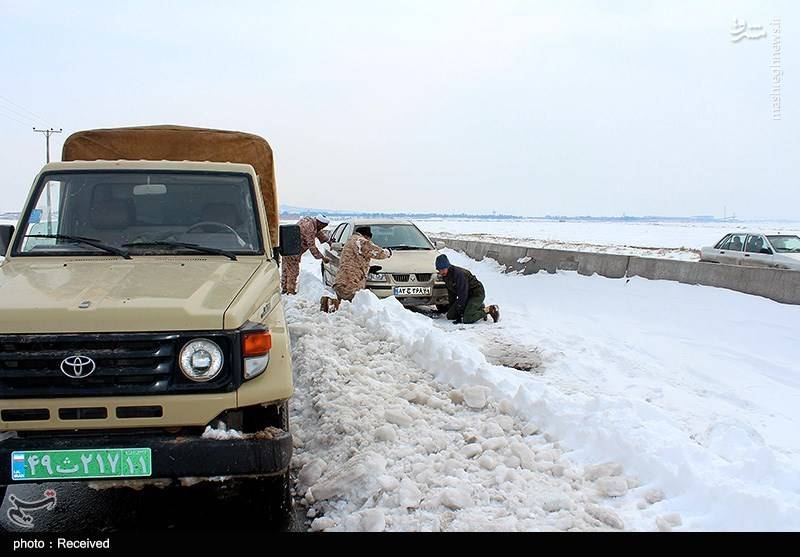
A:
77, 367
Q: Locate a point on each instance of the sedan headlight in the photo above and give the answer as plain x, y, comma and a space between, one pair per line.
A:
201, 360
376, 277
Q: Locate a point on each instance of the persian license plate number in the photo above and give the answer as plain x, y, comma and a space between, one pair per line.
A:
412, 290
81, 463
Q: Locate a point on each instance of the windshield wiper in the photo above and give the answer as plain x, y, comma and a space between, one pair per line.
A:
405, 247
81, 240
204, 249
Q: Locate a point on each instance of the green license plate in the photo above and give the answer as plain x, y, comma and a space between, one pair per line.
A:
80, 463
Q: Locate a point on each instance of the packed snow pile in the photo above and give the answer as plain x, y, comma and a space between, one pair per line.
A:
396, 428
383, 445
636, 414
221, 433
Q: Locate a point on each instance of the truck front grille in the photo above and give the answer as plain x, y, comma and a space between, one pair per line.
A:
124, 364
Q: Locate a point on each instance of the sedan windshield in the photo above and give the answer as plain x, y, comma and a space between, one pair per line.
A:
785, 244
399, 236
141, 213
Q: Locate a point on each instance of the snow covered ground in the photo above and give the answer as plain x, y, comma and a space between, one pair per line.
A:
667, 239
635, 404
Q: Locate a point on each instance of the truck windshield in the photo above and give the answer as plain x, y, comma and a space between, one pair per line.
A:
141, 212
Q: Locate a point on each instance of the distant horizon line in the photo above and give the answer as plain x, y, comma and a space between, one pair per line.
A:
292, 211
302, 211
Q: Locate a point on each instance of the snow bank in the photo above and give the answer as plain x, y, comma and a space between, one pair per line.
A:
397, 428
636, 374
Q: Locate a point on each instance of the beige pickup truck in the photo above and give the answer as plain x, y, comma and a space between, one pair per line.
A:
142, 335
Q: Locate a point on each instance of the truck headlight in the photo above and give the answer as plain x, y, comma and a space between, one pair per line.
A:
201, 360
376, 277
255, 348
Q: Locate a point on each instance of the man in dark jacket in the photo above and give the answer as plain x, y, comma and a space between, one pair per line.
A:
466, 294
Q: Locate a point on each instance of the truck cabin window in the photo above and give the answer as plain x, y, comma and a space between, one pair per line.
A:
154, 210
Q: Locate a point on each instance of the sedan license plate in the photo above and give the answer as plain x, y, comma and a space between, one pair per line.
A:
80, 463
412, 290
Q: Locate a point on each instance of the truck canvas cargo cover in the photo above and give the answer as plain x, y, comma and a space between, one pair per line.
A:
180, 143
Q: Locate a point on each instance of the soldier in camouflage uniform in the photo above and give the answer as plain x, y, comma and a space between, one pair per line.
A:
466, 294
354, 266
311, 229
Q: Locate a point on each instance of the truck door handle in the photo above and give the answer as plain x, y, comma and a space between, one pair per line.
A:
747, 255
722, 253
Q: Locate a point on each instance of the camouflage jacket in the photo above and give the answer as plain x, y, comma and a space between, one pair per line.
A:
354, 265
308, 235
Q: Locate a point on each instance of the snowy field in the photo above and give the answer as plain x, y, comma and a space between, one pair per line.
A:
673, 240
594, 404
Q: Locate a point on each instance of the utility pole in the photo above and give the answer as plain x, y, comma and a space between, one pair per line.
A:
47, 133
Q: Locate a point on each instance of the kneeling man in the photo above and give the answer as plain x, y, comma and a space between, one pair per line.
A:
466, 294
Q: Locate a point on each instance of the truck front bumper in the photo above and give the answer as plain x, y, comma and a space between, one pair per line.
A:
172, 457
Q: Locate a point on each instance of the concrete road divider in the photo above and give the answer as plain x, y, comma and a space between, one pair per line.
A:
776, 284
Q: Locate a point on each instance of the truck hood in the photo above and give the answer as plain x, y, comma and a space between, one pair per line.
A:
408, 261
45, 295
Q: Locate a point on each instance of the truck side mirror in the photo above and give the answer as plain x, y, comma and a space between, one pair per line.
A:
766, 251
337, 246
440, 244
289, 240
6, 232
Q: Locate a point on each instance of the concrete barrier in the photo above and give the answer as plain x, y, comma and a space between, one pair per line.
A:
776, 284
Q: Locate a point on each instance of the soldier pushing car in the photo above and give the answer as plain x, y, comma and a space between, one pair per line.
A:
311, 229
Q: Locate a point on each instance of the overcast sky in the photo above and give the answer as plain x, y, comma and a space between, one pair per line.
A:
522, 107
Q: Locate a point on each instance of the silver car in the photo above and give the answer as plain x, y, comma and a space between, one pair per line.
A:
409, 275
780, 251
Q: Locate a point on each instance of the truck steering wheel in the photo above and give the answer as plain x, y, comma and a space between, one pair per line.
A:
221, 225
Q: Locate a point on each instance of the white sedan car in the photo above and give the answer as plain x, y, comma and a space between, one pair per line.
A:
409, 274
780, 251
